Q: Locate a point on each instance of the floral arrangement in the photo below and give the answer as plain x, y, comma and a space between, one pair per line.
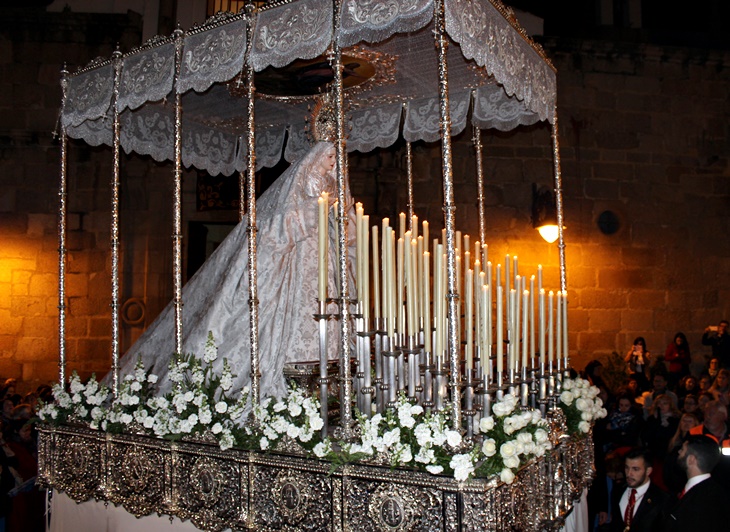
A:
406, 436
581, 405
201, 406
82, 402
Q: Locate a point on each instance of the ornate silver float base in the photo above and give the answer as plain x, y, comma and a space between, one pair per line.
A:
245, 490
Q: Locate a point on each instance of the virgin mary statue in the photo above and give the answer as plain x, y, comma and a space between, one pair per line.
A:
216, 297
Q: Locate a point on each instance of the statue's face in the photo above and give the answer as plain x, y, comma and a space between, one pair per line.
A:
329, 159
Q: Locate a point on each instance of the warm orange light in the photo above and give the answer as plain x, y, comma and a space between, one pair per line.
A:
548, 232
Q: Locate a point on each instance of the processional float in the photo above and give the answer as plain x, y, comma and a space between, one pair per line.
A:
215, 98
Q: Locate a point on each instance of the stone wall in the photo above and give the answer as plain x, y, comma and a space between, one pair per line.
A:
643, 133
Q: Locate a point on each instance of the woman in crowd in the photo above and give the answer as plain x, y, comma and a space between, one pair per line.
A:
638, 359
687, 385
690, 405
720, 389
624, 424
678, 359
674, 476
658, 431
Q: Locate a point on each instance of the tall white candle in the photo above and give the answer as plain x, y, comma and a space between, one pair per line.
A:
401, 323
391, 282
500, 333
551, 328
484, 322
410, 315
414, 226
384, 269
533, 351
467, 249
469, 318
437, 318
485, 253
514, 329
525, 323
426, 279
558, 328
539, 277
488, 328
541, 333
424, 231
507, 276
515, 271
366, 271
376, 273
566, 353
323, 227
358, 250
402, 225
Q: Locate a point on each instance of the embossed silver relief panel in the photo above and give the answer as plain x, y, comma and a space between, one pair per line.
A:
374, 506
208, 489
289, 499
78, 466
136, 479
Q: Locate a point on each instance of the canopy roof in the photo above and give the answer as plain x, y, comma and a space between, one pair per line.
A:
498, 78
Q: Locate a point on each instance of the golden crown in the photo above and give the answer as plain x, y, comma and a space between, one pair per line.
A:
323, 120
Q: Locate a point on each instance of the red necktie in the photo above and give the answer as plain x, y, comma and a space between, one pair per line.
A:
681, 494
629, 513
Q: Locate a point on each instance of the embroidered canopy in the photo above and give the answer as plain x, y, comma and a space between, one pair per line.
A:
498, 78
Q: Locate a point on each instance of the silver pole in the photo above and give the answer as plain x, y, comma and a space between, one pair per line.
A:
62, 223
449, 208
561, 220
477, 139
117, 63
342, 197
177, 194
253, 300
409, 171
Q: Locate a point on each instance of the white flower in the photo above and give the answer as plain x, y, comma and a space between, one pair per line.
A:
316, 422
295, 409
508, 449
462, 465
216, 428
513, 462
152, 378
221, 407
584, 426
126, 419
321, 449
567, 397
391, 437
292, 431
434, 469
541, 436
489, 447
453, 438
486, 424
567, 384
507, 476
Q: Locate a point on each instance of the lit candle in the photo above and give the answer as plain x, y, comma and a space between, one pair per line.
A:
366, 271
468, 286
323, 226
551, 330
566, 353
424, 231
426, 300
533, 352
487, 362
513, 329
414, 226
391, 282
376, 274
525, 322
515, 272
539, 277
401, 326
358, 250
541, 333
467, 249
402, 225
558, 328
406, 256
484, 322
500, 334
485, 253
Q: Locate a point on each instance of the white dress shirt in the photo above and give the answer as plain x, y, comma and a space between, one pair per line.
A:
640, 492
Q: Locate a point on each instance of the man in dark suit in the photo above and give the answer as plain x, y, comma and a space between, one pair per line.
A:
638, 508
703, 504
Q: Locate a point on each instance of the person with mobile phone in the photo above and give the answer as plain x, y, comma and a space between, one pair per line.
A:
719, 339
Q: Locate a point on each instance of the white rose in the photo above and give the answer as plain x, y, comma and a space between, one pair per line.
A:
541, 436
508, 449
567, 384
221, 407
489, 447
584, 426
263, 443
486, 424
513, 462
582, 404
567, 397
320, 450
507, 476
216, 428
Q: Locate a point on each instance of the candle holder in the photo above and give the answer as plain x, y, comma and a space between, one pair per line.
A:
322, 317
533, 387
469, 410
412, 352
367, 390
378, 382
440, 385
401, 361
524, 389
390, 386
428, 381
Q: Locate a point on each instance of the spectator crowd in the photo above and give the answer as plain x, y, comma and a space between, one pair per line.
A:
663, 451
